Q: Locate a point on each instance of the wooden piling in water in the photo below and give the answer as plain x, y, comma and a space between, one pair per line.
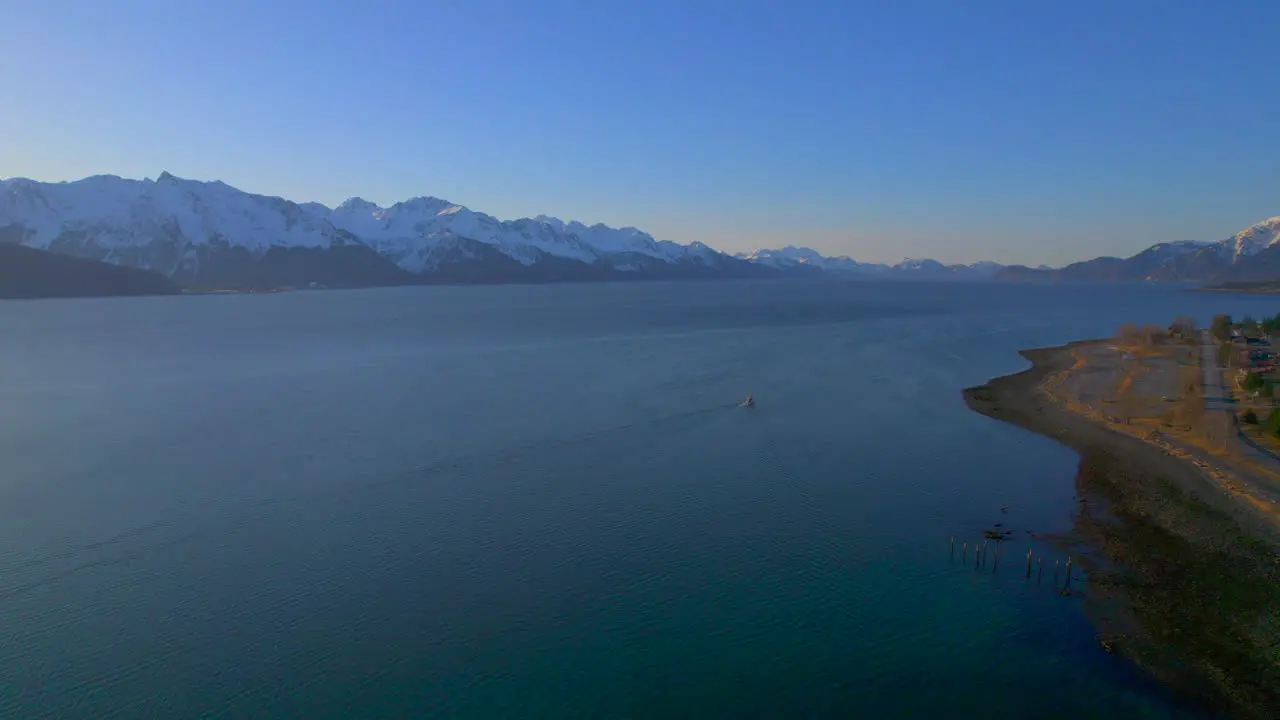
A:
1068, 585
964, 553
1028, 564
1055, 571
953, 546
1040, 572
984, 552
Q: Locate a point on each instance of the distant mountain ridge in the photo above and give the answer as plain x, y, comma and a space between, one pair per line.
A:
1249, 255
211, 235
800, 259
30, 273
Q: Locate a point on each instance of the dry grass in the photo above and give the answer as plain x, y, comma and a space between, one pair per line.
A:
1185, 585
1180, 428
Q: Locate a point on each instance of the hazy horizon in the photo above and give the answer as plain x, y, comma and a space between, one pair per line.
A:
989, 131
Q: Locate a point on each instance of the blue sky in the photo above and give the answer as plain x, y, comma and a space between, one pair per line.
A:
1019, 131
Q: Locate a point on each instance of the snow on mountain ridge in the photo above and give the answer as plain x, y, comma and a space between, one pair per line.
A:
157, 222
1244, 244
983, 265
1254, 239
792, 256
918, 264
408, 230
170, 222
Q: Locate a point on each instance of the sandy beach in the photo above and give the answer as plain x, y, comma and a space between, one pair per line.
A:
1179, 535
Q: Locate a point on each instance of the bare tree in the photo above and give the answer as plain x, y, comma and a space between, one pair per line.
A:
1128, 334
1152, 334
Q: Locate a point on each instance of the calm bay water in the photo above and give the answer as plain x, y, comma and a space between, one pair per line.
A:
541, 502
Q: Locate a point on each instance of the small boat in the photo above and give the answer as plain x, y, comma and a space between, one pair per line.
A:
750, 402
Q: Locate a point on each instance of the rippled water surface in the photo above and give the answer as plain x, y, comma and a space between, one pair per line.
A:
541, 502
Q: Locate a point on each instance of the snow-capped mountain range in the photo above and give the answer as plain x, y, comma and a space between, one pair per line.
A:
211, 234
1255, 238
1251, 254
791, 258
410, 232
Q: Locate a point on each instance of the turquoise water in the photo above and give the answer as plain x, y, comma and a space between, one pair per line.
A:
541, 502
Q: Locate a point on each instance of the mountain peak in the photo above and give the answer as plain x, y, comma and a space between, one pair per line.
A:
919, 264
168, 178
425, 200
554, 222
1256, 238
425, 205
180, 227
357, 204
801, 257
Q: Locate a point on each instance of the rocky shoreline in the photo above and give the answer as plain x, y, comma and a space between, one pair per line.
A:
1183, 580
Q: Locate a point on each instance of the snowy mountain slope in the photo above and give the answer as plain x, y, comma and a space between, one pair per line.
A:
919, 264
1254, 239
108, 212
1252, 253
319, 209
804, 258
1249, 254
792, 258
784, 258
184, 229
408, 232
209, 233
932, 269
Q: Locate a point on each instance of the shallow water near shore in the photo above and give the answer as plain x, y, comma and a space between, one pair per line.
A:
543, 502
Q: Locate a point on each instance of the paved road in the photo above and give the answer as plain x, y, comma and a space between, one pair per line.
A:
1217, 399
1215, 396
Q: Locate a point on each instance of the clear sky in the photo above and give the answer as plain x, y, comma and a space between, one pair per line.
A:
1022, 131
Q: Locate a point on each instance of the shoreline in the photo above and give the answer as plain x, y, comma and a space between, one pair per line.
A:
1183, 579
1237, 291
1245, 287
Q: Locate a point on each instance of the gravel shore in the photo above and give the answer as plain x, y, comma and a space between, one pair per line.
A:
1183, 579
